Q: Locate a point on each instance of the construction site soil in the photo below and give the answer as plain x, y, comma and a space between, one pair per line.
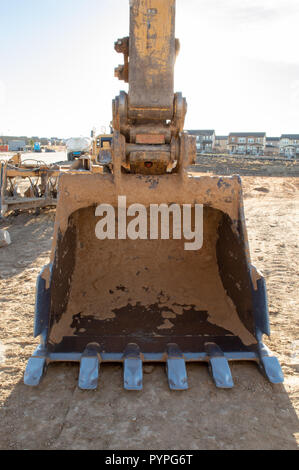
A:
246, 165
253, 415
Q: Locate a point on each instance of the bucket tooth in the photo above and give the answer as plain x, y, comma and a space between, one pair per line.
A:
269, 365
89, 370
272, 369
176, 368
133, 374
219, 366
36, 367
221, 372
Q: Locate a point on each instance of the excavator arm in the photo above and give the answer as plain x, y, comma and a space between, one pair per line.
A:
150, 117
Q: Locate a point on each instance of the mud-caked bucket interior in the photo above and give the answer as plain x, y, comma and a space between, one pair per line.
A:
151, 292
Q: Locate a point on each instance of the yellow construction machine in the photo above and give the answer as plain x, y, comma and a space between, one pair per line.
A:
125, 282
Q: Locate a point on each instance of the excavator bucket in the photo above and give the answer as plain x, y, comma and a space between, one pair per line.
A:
148, 300
150, 263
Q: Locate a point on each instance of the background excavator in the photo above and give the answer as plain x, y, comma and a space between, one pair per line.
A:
150, 300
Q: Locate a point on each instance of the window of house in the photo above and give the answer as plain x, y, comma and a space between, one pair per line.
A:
242, 140
250, 140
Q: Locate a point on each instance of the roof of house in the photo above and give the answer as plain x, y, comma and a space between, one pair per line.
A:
275, 139
247, 134
289, 136
221, 137
201, 132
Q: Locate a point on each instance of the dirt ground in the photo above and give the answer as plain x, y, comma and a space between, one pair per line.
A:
247, 165
58, 415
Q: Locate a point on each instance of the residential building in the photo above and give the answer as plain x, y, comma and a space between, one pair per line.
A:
205, 140
289, 145
17, 145
272, 146
273, 141
221, 142
247, 143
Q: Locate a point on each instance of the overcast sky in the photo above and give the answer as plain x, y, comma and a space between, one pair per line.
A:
238, 66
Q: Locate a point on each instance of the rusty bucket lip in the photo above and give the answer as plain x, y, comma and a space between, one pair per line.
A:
161, 357
151, 350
